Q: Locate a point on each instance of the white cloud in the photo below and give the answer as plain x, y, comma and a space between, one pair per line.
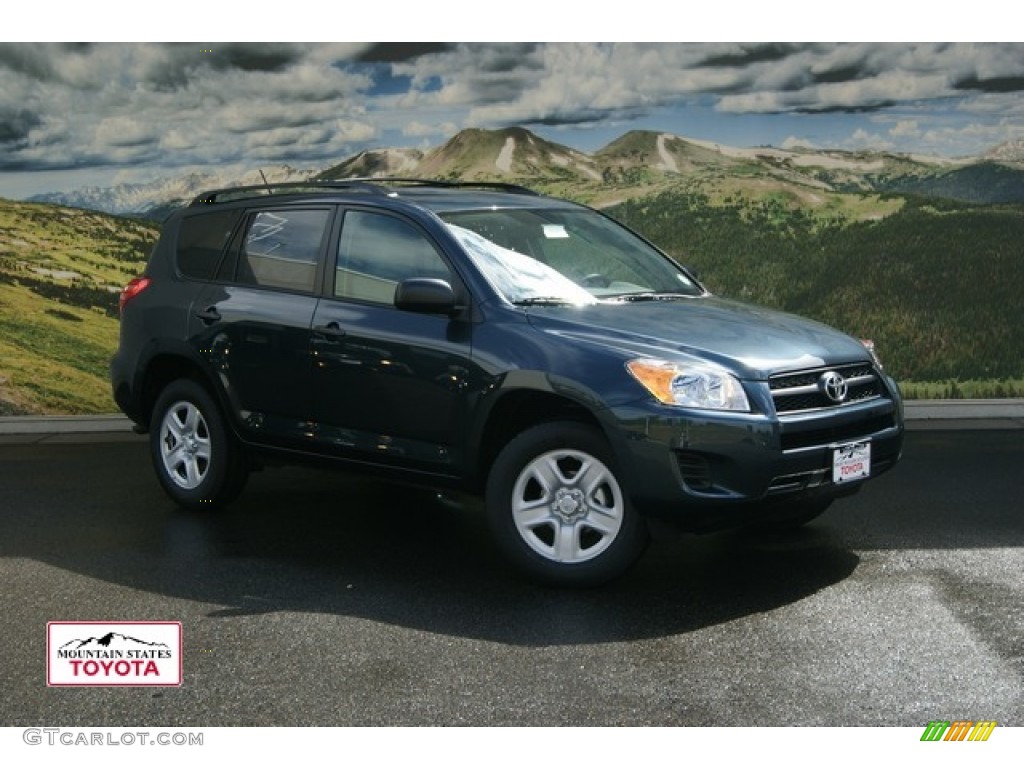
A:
792, 142
416, 129
905, 128
862, 139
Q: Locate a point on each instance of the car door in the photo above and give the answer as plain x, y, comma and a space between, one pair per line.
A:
253, 324
390, 386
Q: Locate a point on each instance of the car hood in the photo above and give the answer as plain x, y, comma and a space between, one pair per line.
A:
752, 341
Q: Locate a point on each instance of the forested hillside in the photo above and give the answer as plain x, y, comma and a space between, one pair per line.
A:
937, 285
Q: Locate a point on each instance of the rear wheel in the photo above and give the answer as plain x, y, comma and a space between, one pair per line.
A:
197, 460
558, 509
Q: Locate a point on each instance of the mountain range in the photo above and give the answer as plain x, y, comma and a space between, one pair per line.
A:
635, 164
110, 641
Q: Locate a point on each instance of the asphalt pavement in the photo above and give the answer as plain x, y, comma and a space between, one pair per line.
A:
327, 599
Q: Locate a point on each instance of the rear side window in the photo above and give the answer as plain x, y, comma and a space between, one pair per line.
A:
201, 240
280, 249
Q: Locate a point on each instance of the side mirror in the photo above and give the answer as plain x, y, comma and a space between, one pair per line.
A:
427, 295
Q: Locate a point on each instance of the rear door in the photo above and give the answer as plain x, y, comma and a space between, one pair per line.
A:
253, 324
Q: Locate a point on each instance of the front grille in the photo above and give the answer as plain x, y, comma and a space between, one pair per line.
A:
835, 434
798, 482
800, 391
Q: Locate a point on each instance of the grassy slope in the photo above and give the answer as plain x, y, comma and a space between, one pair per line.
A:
60, 273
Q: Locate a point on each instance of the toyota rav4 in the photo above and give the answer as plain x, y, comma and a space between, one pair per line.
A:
523, 348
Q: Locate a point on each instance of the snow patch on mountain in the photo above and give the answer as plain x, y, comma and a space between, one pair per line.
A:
668, 163
504, 159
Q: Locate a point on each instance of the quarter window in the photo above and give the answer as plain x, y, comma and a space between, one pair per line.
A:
201, 240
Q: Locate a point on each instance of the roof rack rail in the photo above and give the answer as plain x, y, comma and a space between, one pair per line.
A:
227, 194
418, 182
374, 185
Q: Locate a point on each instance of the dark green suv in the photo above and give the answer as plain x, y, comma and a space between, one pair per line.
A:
488, 338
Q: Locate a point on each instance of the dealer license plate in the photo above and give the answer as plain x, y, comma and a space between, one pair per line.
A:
851, 462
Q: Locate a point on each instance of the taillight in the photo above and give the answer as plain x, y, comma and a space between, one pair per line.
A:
136, 286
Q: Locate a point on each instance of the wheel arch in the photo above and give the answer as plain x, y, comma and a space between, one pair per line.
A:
167, 366
518, 410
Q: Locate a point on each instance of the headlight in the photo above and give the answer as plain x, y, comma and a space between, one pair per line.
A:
690, 385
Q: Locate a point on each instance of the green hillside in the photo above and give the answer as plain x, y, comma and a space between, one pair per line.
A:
61, 270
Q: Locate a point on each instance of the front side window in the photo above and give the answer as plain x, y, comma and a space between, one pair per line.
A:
377, 251
280, 249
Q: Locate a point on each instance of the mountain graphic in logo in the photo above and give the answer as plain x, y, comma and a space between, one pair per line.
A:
110, 641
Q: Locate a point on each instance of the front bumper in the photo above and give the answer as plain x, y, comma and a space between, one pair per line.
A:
709, 470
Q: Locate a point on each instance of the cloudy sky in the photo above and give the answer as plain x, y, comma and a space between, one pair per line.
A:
96, 114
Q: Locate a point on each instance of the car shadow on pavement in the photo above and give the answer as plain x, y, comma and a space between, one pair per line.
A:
302, 540
431, 566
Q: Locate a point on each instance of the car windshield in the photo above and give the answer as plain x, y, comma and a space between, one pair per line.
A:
565, 256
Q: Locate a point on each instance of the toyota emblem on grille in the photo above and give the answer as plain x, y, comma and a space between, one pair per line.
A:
833, 385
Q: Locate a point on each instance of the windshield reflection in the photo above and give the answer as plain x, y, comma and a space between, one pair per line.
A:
518, 277
573, 256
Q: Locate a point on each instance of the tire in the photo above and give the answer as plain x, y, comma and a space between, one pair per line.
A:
558, 509
198, 462
789, 517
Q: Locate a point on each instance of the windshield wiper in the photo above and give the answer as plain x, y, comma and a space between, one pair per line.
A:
650, 296
543, 301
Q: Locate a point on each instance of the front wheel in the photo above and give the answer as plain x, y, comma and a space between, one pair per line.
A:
196, 459
557, 507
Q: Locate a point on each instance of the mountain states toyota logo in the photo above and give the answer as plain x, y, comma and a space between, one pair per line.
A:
113, 653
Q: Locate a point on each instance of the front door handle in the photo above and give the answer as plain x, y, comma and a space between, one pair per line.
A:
331, 329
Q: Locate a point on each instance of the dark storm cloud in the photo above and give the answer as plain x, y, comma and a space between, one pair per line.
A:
173, 66
507, 57
16, 124
28, 59
991, 84
386, 53
585, 117
859, 109
496, 90
254, 57
747, 55
840, 74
